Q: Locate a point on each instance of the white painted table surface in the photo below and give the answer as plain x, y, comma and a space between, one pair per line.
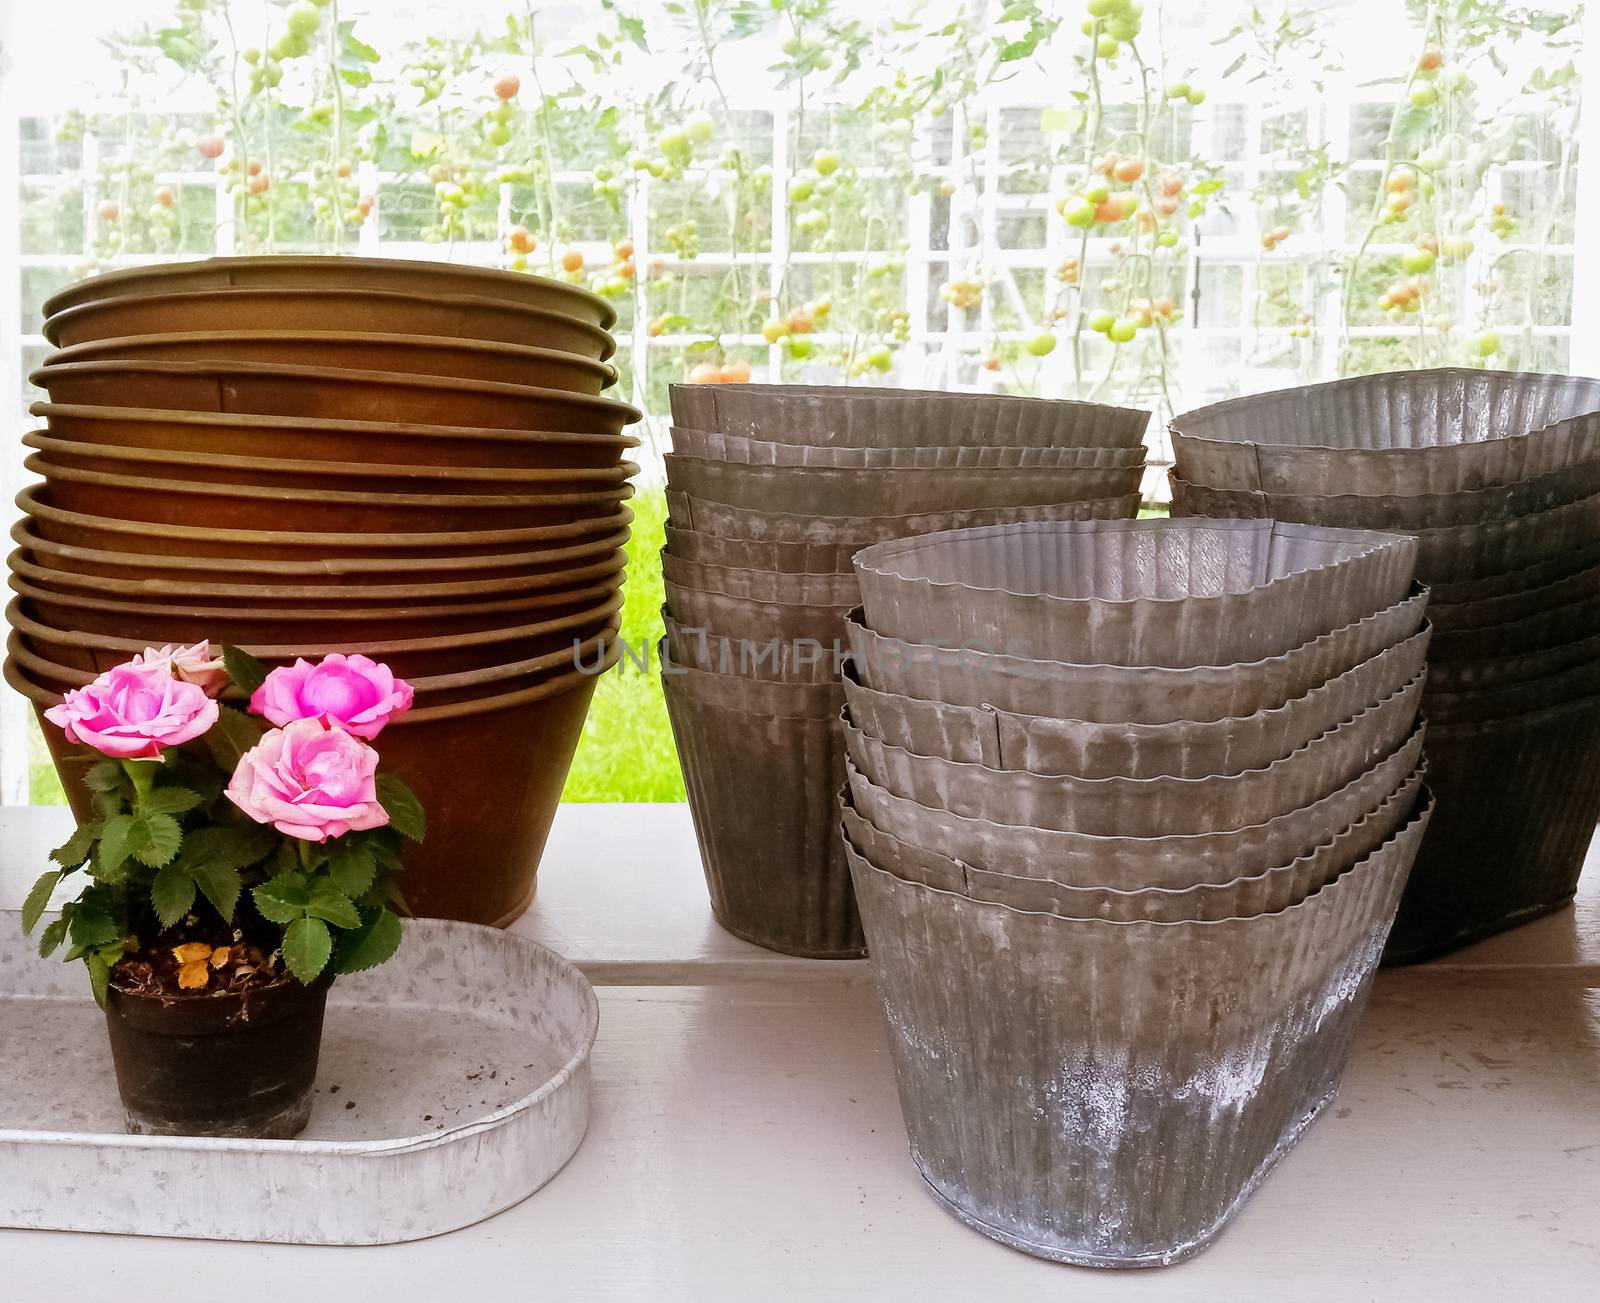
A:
747, 1144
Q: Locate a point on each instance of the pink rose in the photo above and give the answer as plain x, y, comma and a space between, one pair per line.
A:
133, 711
196, 664
309, 779
360, 693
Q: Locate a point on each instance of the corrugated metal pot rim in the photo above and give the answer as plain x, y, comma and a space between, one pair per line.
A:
1422, 800
1371, 380
878, 558
1299, 908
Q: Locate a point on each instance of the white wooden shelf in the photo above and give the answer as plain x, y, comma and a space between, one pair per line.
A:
747, 1141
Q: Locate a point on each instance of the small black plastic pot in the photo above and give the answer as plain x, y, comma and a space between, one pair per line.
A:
237, 1066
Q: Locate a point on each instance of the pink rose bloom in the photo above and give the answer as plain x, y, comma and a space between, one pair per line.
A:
355, 691
197, 665
133, 711
309, 779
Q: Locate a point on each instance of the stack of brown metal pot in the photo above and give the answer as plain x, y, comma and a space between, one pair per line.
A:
771, 488
306, 455
1129, 808
1497, 476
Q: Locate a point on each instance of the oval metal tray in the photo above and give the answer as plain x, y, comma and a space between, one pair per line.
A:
454, 1082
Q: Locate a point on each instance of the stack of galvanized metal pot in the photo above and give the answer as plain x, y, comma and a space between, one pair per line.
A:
306, 455
1130, 806
771, 489
1497, 476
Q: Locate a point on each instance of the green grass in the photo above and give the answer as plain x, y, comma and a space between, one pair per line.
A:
626, 753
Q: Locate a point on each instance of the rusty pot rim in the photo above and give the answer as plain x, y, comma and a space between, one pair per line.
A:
45, 442
30, 541
41, 465
27, 500
314, 265
606, 584
43, 376
92, 349
317, 424
24, 623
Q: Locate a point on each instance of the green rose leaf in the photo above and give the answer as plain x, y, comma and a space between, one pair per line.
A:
405, 811
172, 894
169, 800
326, 901
244, 669
231, 736
352, 865
221, 886
307, 945
373, 943
99, 977
113, 846
75, 850
93, 927
230, 846
283, 899
34, 906
106, 776
51, 938
153, 839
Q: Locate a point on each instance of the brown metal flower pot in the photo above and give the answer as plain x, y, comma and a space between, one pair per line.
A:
229, 506
489, 771
358, 582
235, 1065
462, 359
413, 657
345, 477
310, 439
405, 276
330, 392
76, 529
187, 622
452, 316
180, 588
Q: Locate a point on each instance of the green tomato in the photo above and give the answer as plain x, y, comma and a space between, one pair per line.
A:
1106, 46
1097, 193
675, 144
304, 19
1417, 261
1042, 345
799, 347
827, 161
1456, 248
700, 126
1122, 330
1123, 27
1101, 321
1100, 8
1197, 97
1425, 94
1486, 344
251, 56
1078, 212
499, 134
801, 188
827, 185
1179, 90
880, 358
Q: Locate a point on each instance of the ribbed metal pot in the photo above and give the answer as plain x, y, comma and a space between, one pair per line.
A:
1125, 1125
1145, 592
779, 880
1263, 893
1518, 802
860, 417
1522, 697
726, 521
844, 491
1127, 862
797, 660
1143, 807
1042, 744
753, 619
760, 452
762, 585
1568, 622
1111, 694
780, 558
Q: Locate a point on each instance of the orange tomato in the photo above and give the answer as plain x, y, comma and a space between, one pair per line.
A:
705, 374
572, 261
736, 372
1129, 169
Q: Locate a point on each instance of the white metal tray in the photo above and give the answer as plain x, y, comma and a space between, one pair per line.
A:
454, 1082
